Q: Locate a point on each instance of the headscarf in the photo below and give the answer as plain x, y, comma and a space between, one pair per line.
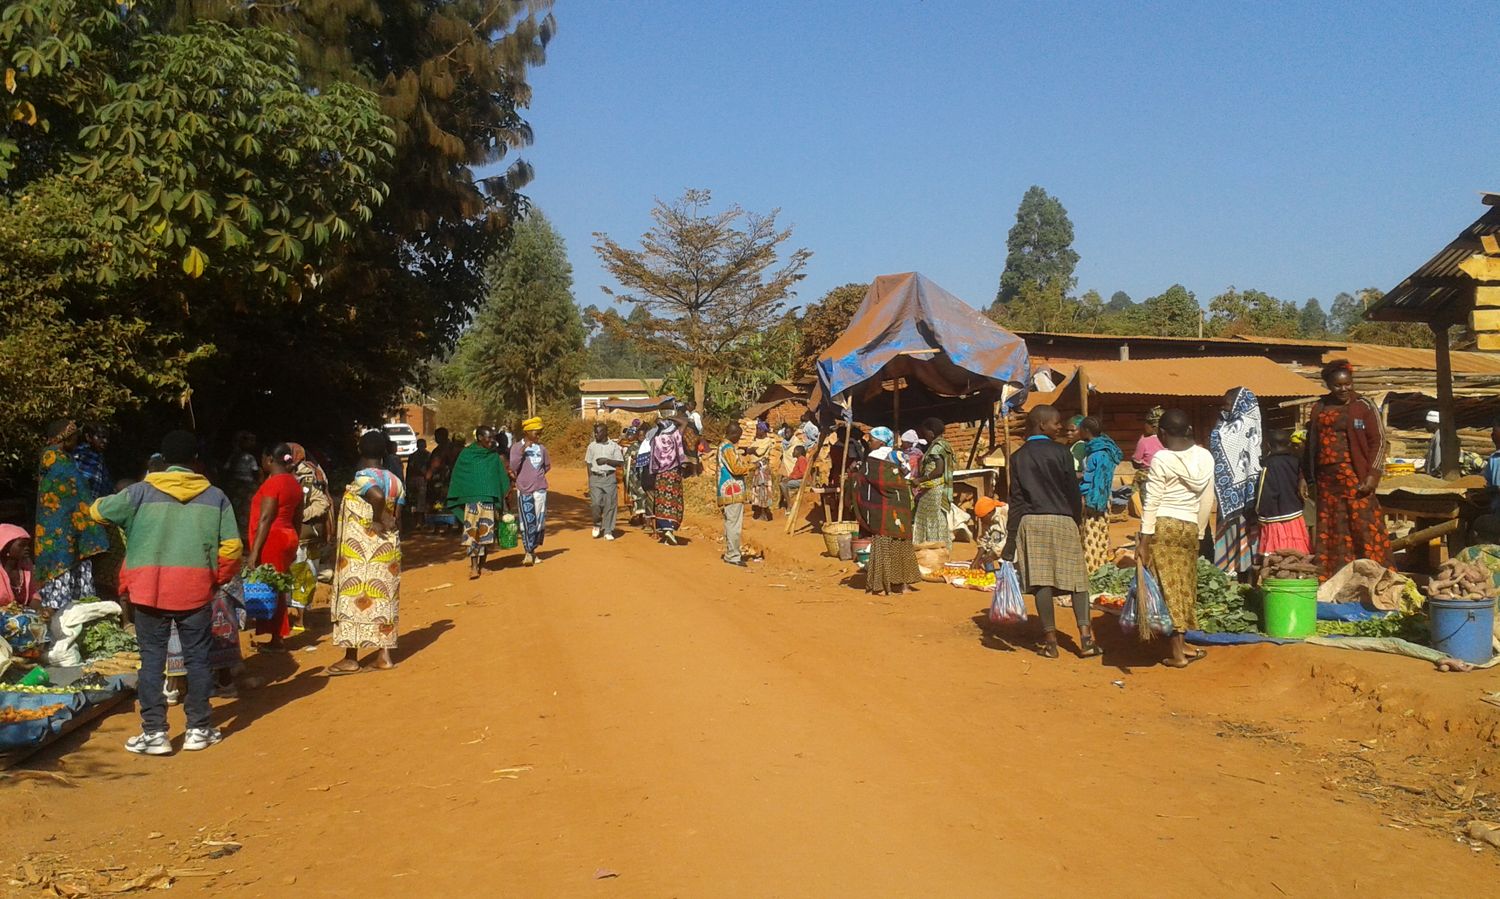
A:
9, 534
883, 435
301, 464
532, 424
1153, 417
985, 505
1099, 465
1235, 444
910, 436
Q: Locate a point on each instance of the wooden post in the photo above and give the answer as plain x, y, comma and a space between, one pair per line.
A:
896, 410
1083, 391
848, 434
812, 462
1006, 422
1447, 424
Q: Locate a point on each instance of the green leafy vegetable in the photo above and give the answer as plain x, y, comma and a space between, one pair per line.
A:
1110, 578
265, 574
1221, 602
105, 637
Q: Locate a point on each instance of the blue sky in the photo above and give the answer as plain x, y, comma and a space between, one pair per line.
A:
1298, 148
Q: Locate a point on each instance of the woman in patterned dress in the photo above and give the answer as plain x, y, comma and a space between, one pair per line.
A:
935, 487
367, 575
67, 536
1345, 458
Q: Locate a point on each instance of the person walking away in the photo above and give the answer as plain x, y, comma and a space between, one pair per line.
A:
760, 473
604, 458
275, 535
439, 467
478, 485
1145, 449
97, 481
1235, 443
668, 457
242, 476
67, 539
793, 481
1099, 465
529, 463
17, 586
883, 505
416, 481
1278, 498
1178, 510
1046, 510
366, 602
312, 533
1345, 458
733, 466
935, 487
181, 543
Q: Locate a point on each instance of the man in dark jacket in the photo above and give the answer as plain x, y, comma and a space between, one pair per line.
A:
1046, 508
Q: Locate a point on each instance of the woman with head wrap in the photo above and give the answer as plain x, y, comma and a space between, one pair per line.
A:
760, 476
1103, 456
67, 536
529, 464
1345, 456
1145, 449
366, 600
478, 485
668, 456
16, 584
882, 497
313, 531
911, 452
1235, 444
934, 487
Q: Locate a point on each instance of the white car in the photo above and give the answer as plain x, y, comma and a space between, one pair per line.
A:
403, 438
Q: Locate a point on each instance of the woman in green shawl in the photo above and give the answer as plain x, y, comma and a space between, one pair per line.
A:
477, 485
935, 486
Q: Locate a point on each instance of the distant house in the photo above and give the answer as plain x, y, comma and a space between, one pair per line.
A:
594, 392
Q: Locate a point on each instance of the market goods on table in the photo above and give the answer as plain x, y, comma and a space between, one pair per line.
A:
960, 574
119, 663
10, 715
1222, 606
105, 637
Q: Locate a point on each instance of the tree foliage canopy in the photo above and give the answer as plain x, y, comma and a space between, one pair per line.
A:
708, 280
824, 322
1039, 248
526, 346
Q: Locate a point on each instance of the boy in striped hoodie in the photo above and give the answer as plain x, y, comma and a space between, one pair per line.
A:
181, 543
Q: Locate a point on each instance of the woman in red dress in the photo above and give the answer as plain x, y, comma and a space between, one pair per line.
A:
1345, 458
276, 515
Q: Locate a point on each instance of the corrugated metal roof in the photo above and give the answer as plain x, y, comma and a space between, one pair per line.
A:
1193, 376
1238, 340
1439, 289
618, 385
1369, 355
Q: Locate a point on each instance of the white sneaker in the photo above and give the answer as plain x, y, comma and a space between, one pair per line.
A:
201, 738
596, 533
149, 744
609, 536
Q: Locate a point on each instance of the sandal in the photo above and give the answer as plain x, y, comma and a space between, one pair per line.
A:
1089, 649
334, 671
1047, 651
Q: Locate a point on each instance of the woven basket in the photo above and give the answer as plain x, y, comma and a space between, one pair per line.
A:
833, 530
260, 601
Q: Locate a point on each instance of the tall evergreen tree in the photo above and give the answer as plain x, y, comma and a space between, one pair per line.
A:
1344, 314
526, 346
1172, 313
1312, 322
1119, 301
1039, 248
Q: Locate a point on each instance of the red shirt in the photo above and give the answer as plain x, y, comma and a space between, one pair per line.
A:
281, 543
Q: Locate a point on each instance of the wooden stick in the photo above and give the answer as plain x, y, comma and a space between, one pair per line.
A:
1142, 623
812, 463
974, 450
1006, 422
1416, 538
848, 436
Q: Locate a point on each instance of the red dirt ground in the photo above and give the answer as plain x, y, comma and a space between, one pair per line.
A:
629, 719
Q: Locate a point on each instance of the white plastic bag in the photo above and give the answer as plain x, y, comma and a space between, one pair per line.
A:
1008, 605
68, 624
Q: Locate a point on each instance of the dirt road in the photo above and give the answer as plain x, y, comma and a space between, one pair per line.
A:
628, 719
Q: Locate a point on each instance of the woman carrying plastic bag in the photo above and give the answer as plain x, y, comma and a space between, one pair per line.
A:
1177, 511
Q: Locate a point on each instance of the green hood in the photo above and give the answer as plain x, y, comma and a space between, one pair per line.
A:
479, 476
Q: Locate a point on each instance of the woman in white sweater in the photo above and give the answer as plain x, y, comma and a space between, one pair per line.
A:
1179, 506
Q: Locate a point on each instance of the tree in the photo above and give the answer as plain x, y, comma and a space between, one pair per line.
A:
1172, 313
764, 358
1091, 311
1039, 307
610, 356
1119, 301
1251, 312
526, 346
1312, 321
1387, 333
709, 281
1344, 314
1039, 248
825, 322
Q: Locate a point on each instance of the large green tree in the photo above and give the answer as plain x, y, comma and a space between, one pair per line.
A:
1251, 312
1312, 321
710, 281
1039, 248
526, 347
1172, 313
612, 356
825, 322
1041, 307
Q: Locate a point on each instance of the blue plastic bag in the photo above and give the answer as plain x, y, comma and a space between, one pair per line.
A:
1007, 604
1158, 619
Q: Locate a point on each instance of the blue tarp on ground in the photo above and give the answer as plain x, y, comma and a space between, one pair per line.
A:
908, 327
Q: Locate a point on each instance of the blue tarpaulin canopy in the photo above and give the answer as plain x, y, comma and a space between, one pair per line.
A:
945, 350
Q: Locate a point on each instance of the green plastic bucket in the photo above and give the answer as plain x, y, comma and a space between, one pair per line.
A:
1291, 607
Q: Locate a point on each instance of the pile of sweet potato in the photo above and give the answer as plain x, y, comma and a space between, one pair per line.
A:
1457, 579
1288, 564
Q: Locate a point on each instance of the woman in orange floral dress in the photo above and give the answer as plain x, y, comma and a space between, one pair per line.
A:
1345, 457
67, 538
